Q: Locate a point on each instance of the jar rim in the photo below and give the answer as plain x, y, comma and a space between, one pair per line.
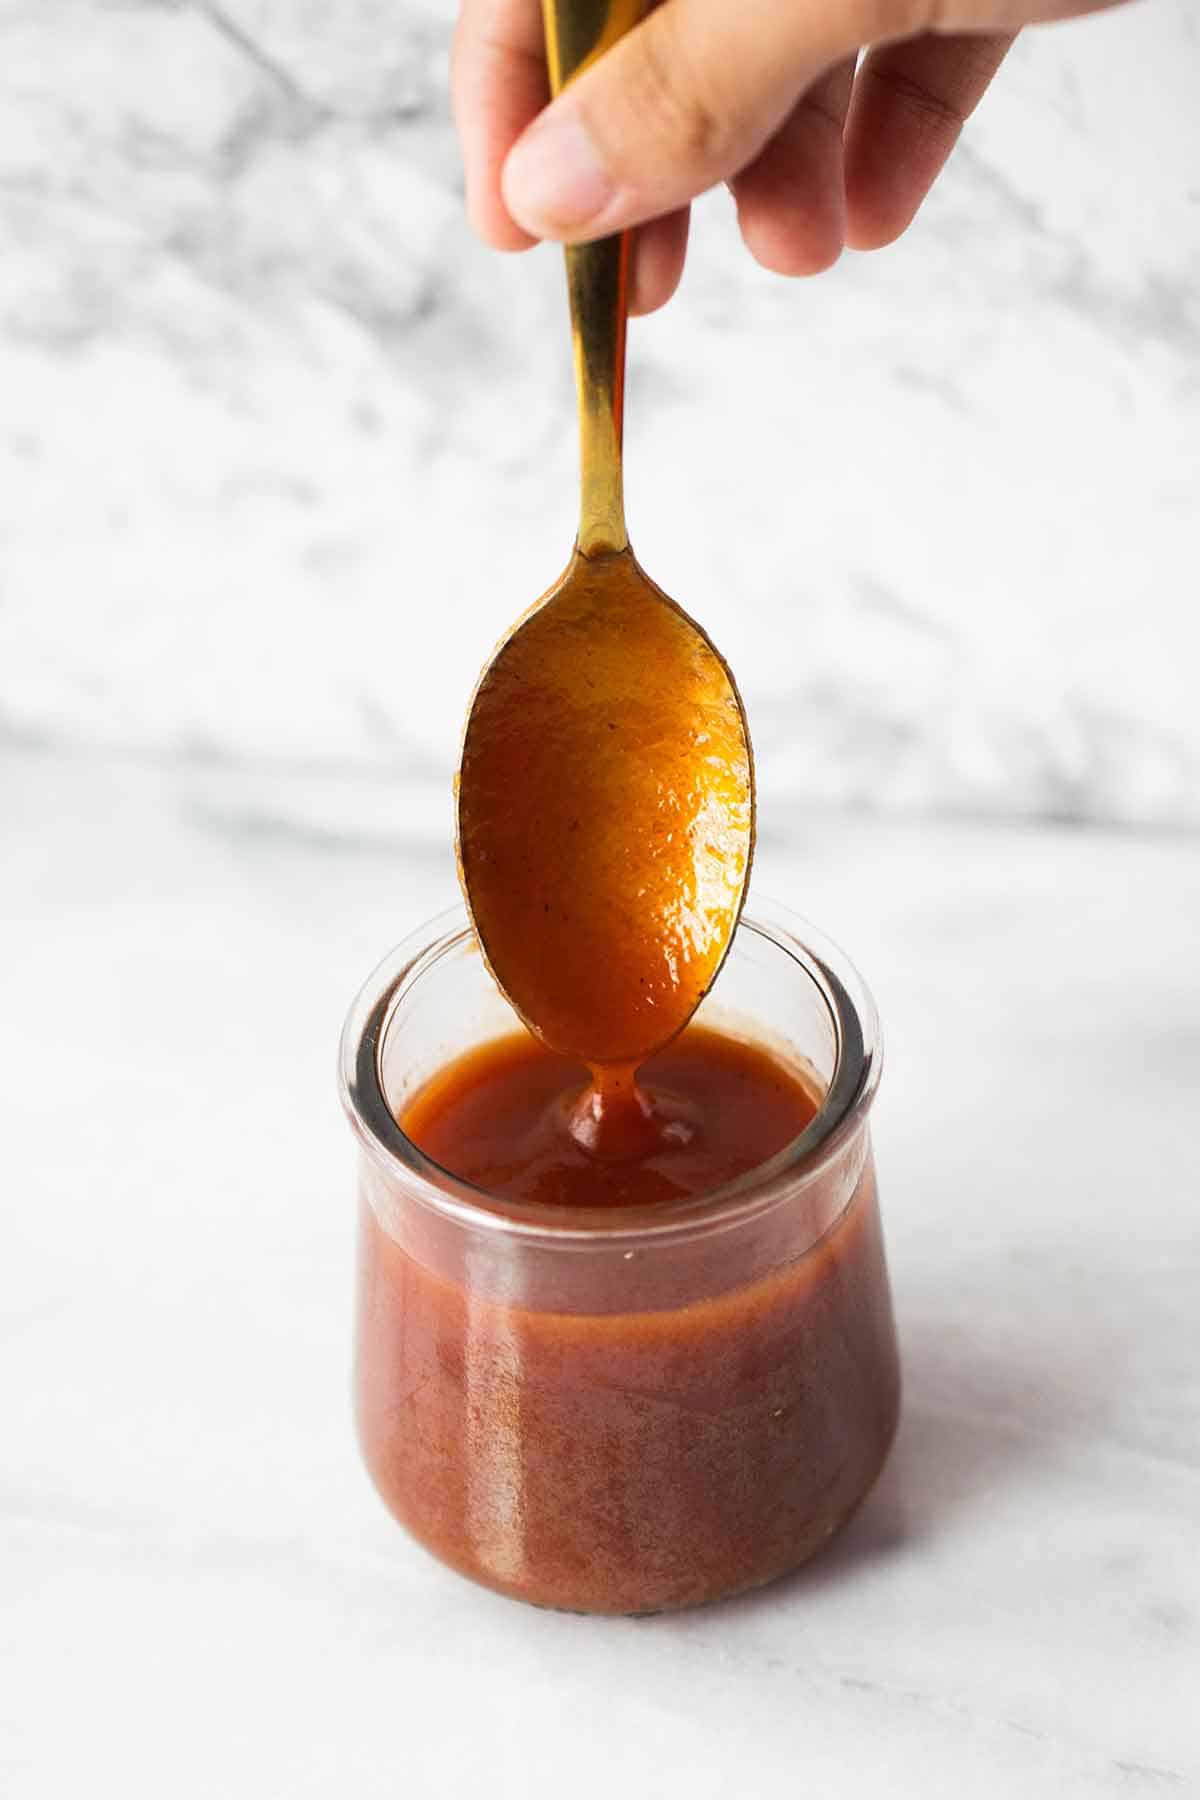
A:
847, 1099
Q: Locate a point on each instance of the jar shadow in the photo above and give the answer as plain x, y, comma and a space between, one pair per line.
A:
973, 1420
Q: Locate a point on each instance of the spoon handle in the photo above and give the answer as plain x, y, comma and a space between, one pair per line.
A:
578, 31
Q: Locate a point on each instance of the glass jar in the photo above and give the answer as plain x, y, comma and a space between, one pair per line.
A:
632, 1410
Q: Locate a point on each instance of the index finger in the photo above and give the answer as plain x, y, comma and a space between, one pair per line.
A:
498, 83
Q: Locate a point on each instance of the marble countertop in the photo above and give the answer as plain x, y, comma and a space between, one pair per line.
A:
201, 1594
285, 450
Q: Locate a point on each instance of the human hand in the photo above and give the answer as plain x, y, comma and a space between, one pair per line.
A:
762, 94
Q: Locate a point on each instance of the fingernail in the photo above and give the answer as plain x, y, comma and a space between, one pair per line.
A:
554, 181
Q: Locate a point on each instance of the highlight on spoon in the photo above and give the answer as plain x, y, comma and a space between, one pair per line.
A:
605, 814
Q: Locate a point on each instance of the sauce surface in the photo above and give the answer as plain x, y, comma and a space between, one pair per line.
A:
511, 1116
605, 815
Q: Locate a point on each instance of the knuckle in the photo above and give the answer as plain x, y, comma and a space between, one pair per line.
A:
938, 111
671, 96
889, 21
817, 107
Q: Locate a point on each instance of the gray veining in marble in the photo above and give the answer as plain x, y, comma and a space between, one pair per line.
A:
282, 450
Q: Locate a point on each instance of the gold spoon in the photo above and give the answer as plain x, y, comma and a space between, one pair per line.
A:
606, 789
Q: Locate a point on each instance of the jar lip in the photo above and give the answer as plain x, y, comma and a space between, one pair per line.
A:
851, 1089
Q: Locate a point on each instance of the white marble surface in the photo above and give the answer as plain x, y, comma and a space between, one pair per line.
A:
201, 1597
282, 450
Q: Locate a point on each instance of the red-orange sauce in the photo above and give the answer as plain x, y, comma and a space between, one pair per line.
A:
657, 1444
605, 814
713, 1106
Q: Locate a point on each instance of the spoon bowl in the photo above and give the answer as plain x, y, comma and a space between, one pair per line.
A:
606, 813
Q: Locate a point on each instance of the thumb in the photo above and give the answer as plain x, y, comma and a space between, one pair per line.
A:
682, 102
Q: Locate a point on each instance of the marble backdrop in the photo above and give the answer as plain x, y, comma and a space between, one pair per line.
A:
282, 449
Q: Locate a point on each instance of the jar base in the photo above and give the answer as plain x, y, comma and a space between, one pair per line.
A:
824, 1532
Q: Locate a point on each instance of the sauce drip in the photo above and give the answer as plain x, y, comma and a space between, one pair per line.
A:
706, 1109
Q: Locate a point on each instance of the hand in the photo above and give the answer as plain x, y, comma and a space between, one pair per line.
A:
762, 94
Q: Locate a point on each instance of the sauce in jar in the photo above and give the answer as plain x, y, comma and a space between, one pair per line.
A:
703, 1418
